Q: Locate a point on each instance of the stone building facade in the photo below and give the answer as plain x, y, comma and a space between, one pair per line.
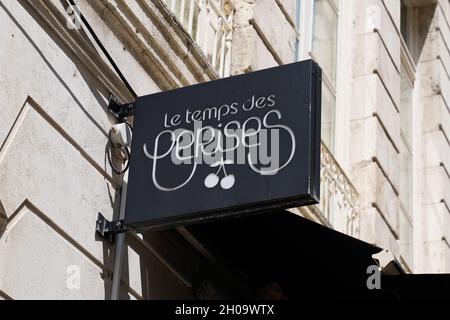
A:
386, 128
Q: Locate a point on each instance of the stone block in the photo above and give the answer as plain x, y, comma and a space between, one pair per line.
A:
370, 142
371, 57
370, 15
434, 79
371, 98
375, 230
41, 264
435, 185
273, 26
262, 58
436, 114
436, 149
376, 191
435, 222
38, 163
394, 10
289, 7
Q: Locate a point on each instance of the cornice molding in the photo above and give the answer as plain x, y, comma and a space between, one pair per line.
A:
157, 41
180, 40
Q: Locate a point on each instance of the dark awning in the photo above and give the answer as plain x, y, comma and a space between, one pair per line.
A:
300, 257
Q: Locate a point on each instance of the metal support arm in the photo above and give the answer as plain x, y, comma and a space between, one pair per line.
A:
109, 229
120, 111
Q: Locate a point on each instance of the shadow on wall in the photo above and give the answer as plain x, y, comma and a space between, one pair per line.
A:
3, 219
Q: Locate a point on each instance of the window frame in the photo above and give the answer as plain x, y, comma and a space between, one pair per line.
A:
342, 89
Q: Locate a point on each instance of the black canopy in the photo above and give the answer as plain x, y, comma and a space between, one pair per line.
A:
294, 258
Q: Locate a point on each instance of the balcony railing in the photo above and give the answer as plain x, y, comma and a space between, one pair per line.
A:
339, 198
209, 22
338, 208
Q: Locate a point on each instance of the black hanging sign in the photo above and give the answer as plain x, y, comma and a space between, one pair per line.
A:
227, 147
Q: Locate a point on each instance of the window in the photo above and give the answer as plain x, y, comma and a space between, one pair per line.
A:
324, 51
409, 28
406, 22
188, 13
416, 19
318, 24
209, 23
324, 46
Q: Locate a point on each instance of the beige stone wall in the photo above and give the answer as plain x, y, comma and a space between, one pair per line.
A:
264, 34
379, 86
432, 103
375, 129
375, 120
52, 169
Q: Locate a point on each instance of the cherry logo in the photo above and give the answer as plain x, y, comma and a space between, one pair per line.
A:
213, 179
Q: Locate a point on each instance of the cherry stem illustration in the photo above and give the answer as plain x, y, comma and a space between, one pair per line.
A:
224, 170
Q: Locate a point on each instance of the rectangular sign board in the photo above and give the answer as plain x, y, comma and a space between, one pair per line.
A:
227, 147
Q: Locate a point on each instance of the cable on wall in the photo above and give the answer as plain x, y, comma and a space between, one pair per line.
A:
127, 153
102, 48
119, 110
119, 140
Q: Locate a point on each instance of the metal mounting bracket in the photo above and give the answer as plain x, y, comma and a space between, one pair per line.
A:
108, 229
120, 111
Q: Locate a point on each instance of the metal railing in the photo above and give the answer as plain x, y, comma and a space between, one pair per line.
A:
209, 23
339, 198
